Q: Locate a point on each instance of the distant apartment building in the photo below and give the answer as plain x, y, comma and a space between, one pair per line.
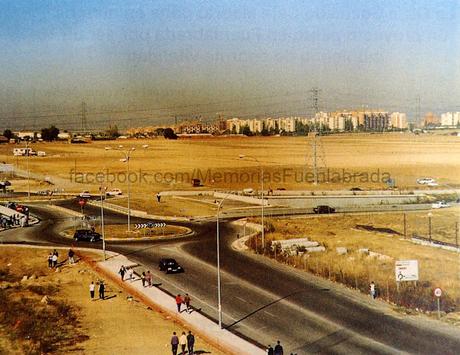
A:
375, 120
450, 119
199, 128
398, 120
431, 120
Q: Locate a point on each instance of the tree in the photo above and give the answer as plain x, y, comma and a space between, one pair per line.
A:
168, 133
112, 132
247, 131
8, 134
50, 134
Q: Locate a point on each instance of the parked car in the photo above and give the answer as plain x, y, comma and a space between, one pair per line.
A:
114, 192
323, 209
440, 204
356, 189
426, 181
41, 153
84, 194
86, 235
170, 266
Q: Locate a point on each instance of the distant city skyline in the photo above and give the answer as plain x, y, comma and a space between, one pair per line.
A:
155, 60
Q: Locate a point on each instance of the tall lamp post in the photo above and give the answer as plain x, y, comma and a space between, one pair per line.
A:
219, 285
242, 156
103, 190
126, 159
28, 169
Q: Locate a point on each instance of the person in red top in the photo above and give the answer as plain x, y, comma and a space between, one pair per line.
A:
179, 302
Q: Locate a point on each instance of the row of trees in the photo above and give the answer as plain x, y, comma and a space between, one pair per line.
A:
47, 134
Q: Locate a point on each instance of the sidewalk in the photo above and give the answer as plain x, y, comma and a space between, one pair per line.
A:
222, 338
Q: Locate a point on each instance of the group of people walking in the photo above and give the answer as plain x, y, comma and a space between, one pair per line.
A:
183, 301
186, 342
277, 350
101, 289
53, 259
126, 270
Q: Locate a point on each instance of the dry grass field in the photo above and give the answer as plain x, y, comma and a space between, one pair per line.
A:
169, 165
437, 268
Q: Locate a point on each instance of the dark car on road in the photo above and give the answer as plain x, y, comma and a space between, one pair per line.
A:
170, 266
323, 209
86, 235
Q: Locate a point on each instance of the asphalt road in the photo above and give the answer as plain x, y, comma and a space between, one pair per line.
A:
264, 301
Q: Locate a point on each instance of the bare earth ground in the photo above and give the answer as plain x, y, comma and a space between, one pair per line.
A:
405, 156
114, 326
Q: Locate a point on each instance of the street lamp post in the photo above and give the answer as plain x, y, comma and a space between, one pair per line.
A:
103, 190
242, 156
126, 159
219, 284
28, 169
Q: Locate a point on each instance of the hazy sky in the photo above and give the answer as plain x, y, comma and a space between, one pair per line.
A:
240, 57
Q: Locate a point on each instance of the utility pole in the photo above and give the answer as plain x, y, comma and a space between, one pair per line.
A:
84, 125
417, 112
315, 97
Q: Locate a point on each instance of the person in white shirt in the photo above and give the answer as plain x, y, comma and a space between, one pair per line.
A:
183, 342
92, 288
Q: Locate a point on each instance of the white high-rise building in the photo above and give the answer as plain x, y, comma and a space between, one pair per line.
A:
449, 119
398, 120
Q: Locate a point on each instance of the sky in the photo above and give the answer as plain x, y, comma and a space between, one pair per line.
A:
152, 60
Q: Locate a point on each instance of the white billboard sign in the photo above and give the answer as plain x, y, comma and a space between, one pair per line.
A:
406, 270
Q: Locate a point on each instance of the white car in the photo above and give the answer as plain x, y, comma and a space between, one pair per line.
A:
41, 153
434, 183
114, 192
84, 194
426, 181
440, 204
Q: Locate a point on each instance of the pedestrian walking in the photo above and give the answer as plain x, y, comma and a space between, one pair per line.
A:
179, 302
54, 259
71, 254
174, 343
101, 290
50, 260
372, 290
92, 287
158, 197
143, 279
190, 342
122, 272
187, 302
278, 349
183, 342
270, 350
149, 278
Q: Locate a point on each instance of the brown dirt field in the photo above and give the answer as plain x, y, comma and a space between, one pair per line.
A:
405, 156
115, 325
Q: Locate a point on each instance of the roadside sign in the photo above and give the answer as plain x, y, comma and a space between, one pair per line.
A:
406, 270
437, 292
82, 202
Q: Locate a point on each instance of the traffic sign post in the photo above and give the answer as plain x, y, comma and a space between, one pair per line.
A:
406, 270
438, 294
